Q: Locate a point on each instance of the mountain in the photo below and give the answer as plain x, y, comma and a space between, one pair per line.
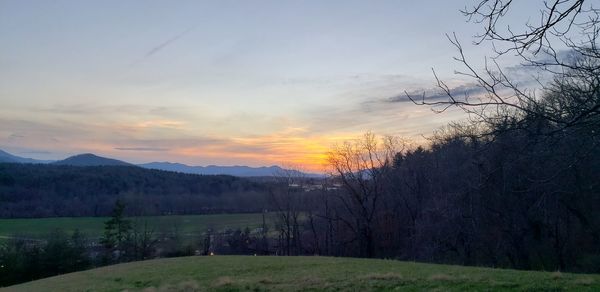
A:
7, 157
88, 159
243, 171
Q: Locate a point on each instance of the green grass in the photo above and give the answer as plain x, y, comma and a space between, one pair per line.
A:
93, 226
233, 273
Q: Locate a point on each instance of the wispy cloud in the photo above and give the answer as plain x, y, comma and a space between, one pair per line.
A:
431, 94
163, 45
15, 136
89, 109
142, 149
160, 124
36, 152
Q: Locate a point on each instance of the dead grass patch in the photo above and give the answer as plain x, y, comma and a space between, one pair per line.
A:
441, 277
584, 281
503, 284
383, 276
556, 275
311, 280
185, 286
266, 281
188, 286
223, 281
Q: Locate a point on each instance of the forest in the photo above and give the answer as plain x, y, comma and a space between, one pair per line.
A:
46, 190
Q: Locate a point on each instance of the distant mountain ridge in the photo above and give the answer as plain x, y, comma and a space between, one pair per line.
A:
236, 170
7, 157
89, 159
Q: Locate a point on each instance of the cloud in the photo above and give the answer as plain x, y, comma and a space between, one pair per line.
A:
14, 137
24, 129
90, 109
160, 124
432, 94
36, 152
163, 45
142, 149
524, 76
569, 56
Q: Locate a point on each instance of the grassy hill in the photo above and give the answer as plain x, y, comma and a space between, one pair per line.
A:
232, 273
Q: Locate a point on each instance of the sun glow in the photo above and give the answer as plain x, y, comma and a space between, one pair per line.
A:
306, 152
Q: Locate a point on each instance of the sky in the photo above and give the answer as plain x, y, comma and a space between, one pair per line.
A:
223, 82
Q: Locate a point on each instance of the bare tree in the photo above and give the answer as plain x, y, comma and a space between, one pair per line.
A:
557, 19
142, 240
572, 24
361, 167
286, 198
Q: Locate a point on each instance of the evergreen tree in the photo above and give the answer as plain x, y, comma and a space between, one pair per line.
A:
117, 228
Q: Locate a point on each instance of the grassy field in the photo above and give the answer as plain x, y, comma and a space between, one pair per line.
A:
93, 226
233, 273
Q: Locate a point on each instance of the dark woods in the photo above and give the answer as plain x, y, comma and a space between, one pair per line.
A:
505, 200
29, 190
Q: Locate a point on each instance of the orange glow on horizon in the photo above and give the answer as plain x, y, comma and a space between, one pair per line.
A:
306, 153
291, 148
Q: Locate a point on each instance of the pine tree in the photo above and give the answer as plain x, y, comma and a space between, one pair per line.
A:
117, 228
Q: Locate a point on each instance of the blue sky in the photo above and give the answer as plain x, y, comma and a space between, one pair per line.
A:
221, 82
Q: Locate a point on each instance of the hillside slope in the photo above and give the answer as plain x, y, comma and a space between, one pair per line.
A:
89, 159
301, 273
9, 158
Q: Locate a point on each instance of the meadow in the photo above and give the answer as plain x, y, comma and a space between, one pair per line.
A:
235, 273
93, 227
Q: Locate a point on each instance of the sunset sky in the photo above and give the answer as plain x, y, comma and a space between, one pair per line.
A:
221, 82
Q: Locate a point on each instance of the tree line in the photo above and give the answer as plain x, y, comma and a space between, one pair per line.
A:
30, 191
507, 200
